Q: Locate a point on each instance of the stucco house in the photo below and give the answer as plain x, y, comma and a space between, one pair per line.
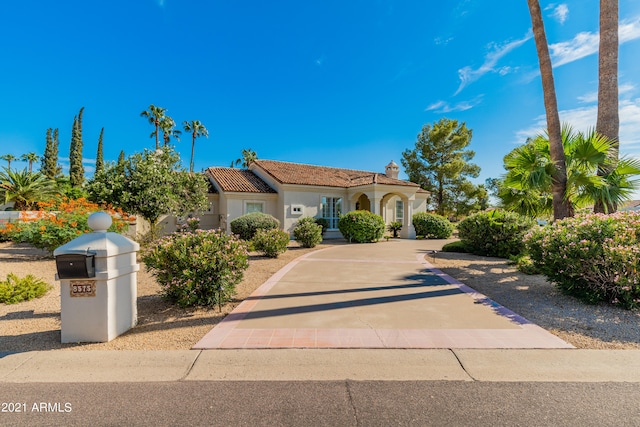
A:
290, 191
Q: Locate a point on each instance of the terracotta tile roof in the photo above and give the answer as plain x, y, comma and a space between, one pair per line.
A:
238, 180
295, 173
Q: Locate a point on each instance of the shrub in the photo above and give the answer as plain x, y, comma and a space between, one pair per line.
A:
496, 233
394, 227
456, 246
361, 226
60, 222
271, 242
198, 269
432, 226
322, 222
592, 257
247, 225
14, 289
307, 232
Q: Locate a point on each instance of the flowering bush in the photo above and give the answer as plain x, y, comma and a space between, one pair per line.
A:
198, 269
593, 257
496, 233
58, 222
271, 242
361, 226
432, 226
247, 225
308, 232
190, 225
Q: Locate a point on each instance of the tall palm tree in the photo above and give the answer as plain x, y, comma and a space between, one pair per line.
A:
155, 115
248, 156
9, 158
25, 188
168, 127
608, 122
561, 208
526, 188
197, 129
31, 158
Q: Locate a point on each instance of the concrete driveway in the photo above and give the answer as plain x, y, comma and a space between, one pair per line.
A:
382, 295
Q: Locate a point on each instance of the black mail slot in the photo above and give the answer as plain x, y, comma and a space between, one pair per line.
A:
76, 266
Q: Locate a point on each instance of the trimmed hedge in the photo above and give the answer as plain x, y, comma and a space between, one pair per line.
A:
247, 225
361, 226
496, 233
432, 226
271, 242
308, 232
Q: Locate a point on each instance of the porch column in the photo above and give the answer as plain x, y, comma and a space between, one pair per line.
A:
408, 231
375, 205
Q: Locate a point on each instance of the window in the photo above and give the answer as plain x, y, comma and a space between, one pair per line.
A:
296, 209
331, 210
399, 210
250, 207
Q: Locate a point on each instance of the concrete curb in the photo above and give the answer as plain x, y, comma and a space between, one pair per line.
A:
322, 365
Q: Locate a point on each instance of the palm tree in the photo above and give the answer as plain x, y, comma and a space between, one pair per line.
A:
248, 156
197, 129
155, 115
25, 188
561, 207
9, 158
526, 188
168, 127
608, 122
31, 158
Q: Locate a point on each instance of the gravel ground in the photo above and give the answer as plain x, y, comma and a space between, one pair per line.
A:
534, 298
35, 325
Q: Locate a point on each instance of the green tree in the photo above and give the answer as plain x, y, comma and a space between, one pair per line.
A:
150, 184
50, 167
526, 188
25, 188
248, 156
197, 129
154, 116
441, 165
31, 158
561, 208
608, 121
9, 158
76, 168
168, 127
99, 154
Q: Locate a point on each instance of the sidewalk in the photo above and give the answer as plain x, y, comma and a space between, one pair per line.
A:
322, 365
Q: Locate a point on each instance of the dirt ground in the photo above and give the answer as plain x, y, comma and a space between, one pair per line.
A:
35, 325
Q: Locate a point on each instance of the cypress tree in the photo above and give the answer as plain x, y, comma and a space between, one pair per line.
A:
50, 166
76, 170
99, 156
56, 146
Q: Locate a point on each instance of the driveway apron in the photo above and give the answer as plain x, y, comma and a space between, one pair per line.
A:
383, 295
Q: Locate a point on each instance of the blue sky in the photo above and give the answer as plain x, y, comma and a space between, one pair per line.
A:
343, 83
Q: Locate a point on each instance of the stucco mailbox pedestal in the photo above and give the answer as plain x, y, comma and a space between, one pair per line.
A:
98, 284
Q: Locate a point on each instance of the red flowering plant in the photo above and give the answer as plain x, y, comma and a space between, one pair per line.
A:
59, 221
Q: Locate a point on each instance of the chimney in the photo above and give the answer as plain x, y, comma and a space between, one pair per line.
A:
391, 170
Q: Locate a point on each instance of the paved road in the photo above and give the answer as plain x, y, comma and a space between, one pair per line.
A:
329, 403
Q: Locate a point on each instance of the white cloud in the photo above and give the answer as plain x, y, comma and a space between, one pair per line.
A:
469, 75
586, 43
560, 12
445, 107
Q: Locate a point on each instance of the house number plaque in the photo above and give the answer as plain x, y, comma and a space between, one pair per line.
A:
82, 288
